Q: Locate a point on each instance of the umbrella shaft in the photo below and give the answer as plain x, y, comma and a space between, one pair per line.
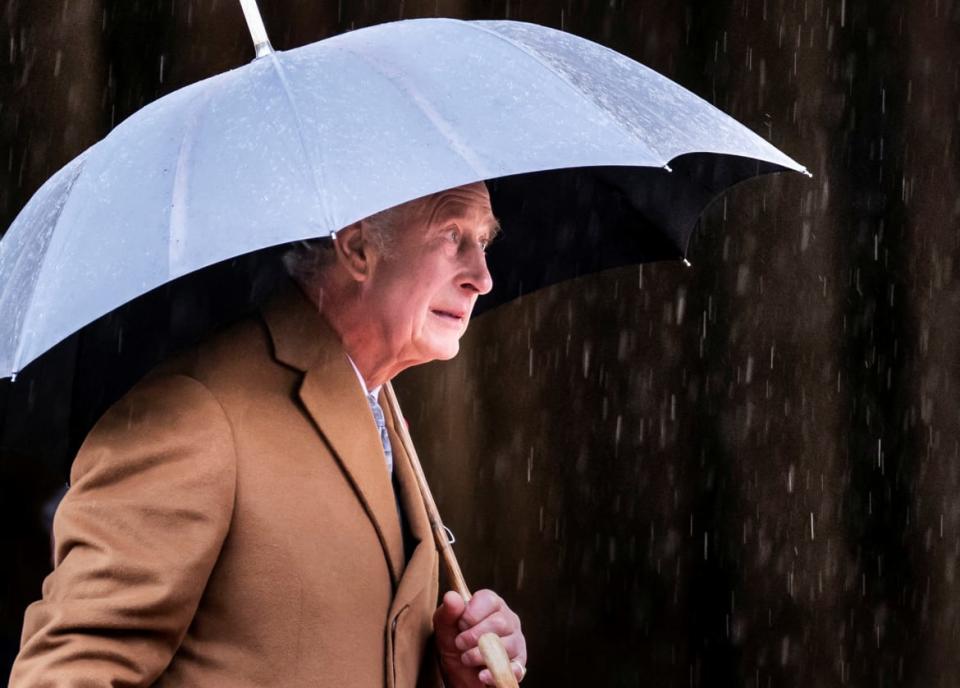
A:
450, 564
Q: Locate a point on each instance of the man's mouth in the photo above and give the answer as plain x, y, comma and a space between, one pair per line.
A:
452, 316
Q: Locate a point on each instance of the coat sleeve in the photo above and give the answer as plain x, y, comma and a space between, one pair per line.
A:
137, 535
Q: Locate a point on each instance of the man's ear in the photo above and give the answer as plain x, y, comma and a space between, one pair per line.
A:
352, 250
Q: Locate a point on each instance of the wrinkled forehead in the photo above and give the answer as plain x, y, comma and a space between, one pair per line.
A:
470, 203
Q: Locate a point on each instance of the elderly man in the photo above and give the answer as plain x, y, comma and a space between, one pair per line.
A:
247, 515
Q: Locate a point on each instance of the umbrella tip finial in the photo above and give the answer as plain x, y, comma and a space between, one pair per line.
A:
668, 168
261, 44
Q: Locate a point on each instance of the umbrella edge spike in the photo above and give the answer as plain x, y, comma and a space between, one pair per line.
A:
258, 32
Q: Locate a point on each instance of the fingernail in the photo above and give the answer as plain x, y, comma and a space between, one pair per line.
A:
460, 643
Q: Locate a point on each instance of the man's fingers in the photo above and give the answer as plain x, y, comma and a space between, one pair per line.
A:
486, 612
482, 604
515, 647
499, 623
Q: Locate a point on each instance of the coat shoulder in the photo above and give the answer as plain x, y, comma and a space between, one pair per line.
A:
239, 357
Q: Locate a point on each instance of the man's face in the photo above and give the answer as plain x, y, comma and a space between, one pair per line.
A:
421, 293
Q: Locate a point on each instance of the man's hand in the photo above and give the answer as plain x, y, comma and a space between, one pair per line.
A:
458, 627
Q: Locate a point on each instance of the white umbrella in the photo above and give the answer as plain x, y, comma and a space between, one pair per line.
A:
299, 144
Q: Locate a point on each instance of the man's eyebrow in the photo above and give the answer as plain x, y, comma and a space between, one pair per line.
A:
453, 210
493, 229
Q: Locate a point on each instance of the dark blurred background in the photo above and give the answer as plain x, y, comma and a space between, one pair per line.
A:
744, 473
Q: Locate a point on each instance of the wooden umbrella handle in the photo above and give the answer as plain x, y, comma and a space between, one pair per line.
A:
491, 647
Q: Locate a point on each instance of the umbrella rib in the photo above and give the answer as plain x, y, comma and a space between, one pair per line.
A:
177, 233
316, 175
436, 120
80, 161
533, 55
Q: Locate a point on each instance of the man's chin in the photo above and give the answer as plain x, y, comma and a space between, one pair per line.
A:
444, 350
448, 352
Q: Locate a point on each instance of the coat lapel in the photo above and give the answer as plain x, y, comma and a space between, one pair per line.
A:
332, 396
420, 569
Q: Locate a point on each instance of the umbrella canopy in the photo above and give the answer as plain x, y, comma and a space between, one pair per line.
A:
298, 144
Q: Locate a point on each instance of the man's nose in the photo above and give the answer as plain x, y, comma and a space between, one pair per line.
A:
476, 277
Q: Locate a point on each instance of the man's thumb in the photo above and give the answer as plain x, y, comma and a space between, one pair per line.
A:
449, 611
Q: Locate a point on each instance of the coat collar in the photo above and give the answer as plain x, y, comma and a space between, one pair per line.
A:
299, 333
331, 395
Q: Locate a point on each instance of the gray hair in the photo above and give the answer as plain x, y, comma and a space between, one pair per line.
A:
306, 260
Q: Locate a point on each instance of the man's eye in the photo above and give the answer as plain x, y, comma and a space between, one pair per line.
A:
454, 235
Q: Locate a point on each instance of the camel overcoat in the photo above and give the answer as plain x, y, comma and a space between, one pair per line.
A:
231, 522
